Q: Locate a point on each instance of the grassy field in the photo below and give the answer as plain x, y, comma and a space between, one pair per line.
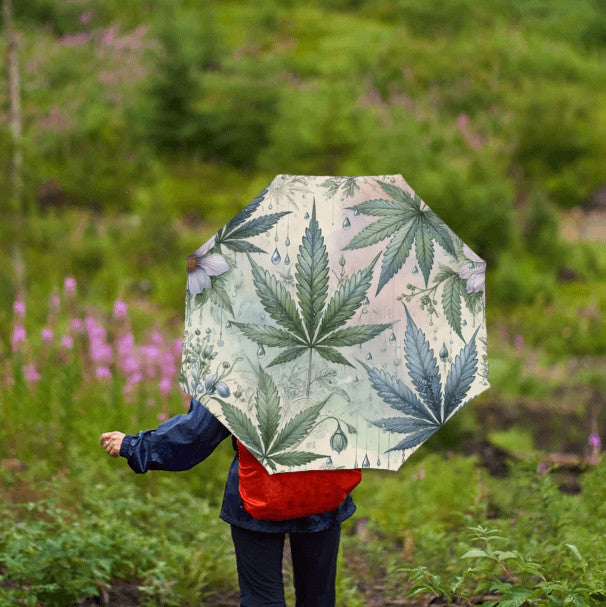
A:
146, 126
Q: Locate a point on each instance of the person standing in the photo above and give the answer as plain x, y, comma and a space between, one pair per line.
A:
184, 441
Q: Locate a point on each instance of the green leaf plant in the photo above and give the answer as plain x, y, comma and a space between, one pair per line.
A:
272, 443
406, 220
311, 323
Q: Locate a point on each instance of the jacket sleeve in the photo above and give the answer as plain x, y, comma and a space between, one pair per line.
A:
177, 444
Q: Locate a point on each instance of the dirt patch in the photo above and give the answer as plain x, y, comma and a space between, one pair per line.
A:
577, 225
127, 594
493, 458
119, 594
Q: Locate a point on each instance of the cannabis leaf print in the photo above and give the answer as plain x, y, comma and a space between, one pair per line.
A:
428, 407
348, 185
453, 292
233, 234
274, 440
406, 220
311, 324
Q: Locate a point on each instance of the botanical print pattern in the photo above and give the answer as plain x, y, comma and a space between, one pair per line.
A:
269, 440
311, 324
424, 409
335, 322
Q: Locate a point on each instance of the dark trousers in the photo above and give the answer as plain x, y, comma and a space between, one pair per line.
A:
259, 561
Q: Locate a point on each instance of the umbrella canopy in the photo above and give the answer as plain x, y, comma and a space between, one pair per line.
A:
335, 322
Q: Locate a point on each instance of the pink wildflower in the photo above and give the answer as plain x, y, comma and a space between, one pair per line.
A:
125, 344
462, 121
135, 378
165, 385
518, 342
76, 39
100, 352
109, 35
69, 285
31, 373
47, 335
157, 338
178, 347
595, 441
54, 302
85, 18
163, 417
19, 307
120, 309
151, 353
19, 335
67, 342
130, 365
103, 372
95, 332
76, 324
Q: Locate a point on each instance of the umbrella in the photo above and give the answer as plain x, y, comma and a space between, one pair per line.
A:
335, 322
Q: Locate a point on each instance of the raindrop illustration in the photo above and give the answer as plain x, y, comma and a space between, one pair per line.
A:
287, 243
464, 323
261, 352
369, 356
356, 464
329, 461
366, 302
346, 224
270, 207
275, 258
220, 343
415, 270
397, 362
356, 380
286, 260
306, 216
392, 338
228, 325
366, 462
472, 265
356, 213
443, 353
378, 461
276, 237
208, 331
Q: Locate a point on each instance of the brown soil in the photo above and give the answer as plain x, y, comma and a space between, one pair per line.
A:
127, 594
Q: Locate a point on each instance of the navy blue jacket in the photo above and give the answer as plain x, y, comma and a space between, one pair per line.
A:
185, 440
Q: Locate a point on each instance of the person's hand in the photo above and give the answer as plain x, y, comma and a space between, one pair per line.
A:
111, 442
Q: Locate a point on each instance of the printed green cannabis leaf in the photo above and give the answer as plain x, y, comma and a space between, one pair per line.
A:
311, 324
233, 234
269, 445
406, 220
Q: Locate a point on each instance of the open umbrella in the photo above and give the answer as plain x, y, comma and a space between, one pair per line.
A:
335, 322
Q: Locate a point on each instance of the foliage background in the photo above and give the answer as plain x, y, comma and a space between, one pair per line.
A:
146, 125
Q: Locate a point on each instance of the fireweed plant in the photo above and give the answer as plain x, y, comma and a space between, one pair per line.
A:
98, 350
